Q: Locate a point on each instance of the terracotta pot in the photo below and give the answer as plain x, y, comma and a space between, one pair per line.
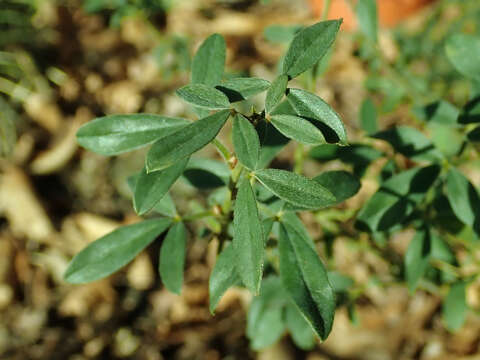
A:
390, 12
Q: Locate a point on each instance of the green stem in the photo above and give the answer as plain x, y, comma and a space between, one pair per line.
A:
198, 216
326, 7
299, 157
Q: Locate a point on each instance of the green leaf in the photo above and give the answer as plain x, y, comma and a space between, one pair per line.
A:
410, 142
454, 309
239, 89
275, 92
112, 251
441, 112
204, 96
115, 134
306, 281
340, 283
309, 46
417, 258
151, 187
209, 61
368, 117
299, 328
166, 206
281, 33
185, 142
8, 132
248, 240
447, 139
265, 323
367, 18
245, 142
205, 173
397, 197
463, 51
172, 257
340, 183
271, 143
295, 188
463, 197
310, 106
298, 129
471, 111
224, 276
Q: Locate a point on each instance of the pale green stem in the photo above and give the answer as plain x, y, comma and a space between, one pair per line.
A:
326, 7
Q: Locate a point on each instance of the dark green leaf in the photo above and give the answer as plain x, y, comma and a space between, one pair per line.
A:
368, 116
454, 310
474, 135
341, 184
265, 323
239, 89
114, 134
151, 187
310, 106
309, 46
306, 281
295, 188
471, 111
172, 257
112, 251
166, 206
367, 18
275, 92
205, 173
245, 142
298, 129
185, 142
299, 328
463, 197
209, 61
417, 258
411, 143
204, 96
224, 276
396, 199
463, 51
248, 240
271, 143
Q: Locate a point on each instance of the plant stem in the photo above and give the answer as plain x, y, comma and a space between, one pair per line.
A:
326, 7
199, 215
299, 157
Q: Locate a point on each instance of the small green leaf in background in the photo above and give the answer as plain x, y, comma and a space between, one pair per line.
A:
172, 257
245, 141
265, 323
151, 187
463, 51
448, 139
112, 251
115, 134
441, 112
410, 142
296, 189
340, 283
223, 276
309, 46
185, 142
275, 92
298, 129
463, 197
209, 61
454, 309
239, 89
204, 96
340, 183
368, 116
367, 18
305, 279
417, 258
396, 199
312, 107
280, 33
248, 240
299, 328
8, 132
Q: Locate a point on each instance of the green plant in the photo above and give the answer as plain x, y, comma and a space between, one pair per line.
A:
252, 204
